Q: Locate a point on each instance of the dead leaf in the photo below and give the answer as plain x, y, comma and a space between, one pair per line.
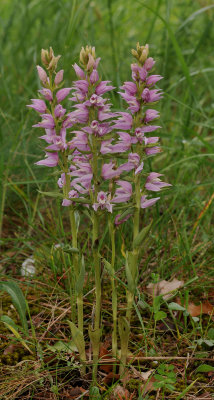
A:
148, 386
164, 287
120, 393
111, 378
142, 375
203, 308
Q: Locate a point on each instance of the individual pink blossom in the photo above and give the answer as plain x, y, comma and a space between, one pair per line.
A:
125, 122
150, 96
47, 94
42, 74
66, 203
62, 94
153, 182
109, 171
59, 77
130, 88
150, 115
149, 63
59, 111
144, 203
153, 79
94, 77
103, 88
38, 105
47, 122
80, 73
51, 160
123, 193
119, 221
103, 201
152, 150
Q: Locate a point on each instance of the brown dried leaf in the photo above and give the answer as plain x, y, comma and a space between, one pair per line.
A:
148, 386
163, 287
144, 376
203, 308
111, 378
119, 393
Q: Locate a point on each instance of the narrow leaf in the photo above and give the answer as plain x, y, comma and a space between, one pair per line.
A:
142, 235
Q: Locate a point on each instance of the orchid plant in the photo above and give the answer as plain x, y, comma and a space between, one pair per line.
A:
100, 157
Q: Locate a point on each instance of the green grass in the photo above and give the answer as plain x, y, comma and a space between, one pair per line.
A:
180, 35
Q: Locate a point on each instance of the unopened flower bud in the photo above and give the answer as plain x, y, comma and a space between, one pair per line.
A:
53, 63
59, 77
44, 57
42, 74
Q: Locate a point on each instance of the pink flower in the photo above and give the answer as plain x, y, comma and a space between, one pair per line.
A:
80, 73
152, 150
119, 221
150, 96
51, 160
153, 182
47, 122
109, 171
94, 77
62, 94
152, 79
59, 111
123, 193
148, 203
151, 115
103, 88
38, 105
149, 63
47, 94
130, 88
42, 74
103, 202
59, 77
125, 122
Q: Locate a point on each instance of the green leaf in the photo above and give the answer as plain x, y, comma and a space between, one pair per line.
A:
129, 210
204, 368
160, 315
94, 393
108, 267
210, 333
78, 340
157, 303
52, 194
176, 307
81, 277
141, 235
18, 300
9, 323
129, 277
60, 346
68, 249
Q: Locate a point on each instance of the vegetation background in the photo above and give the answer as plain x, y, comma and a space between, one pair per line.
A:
181, 36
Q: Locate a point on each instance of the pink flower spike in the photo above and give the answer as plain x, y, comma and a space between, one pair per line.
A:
148, 203
42, 74
51, 160
59, 77
38, 105
62, 94
80, 73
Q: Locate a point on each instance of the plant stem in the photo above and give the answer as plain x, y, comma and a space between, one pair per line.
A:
114, 290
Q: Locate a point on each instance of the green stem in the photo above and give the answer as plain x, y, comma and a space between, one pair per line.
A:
114, 290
